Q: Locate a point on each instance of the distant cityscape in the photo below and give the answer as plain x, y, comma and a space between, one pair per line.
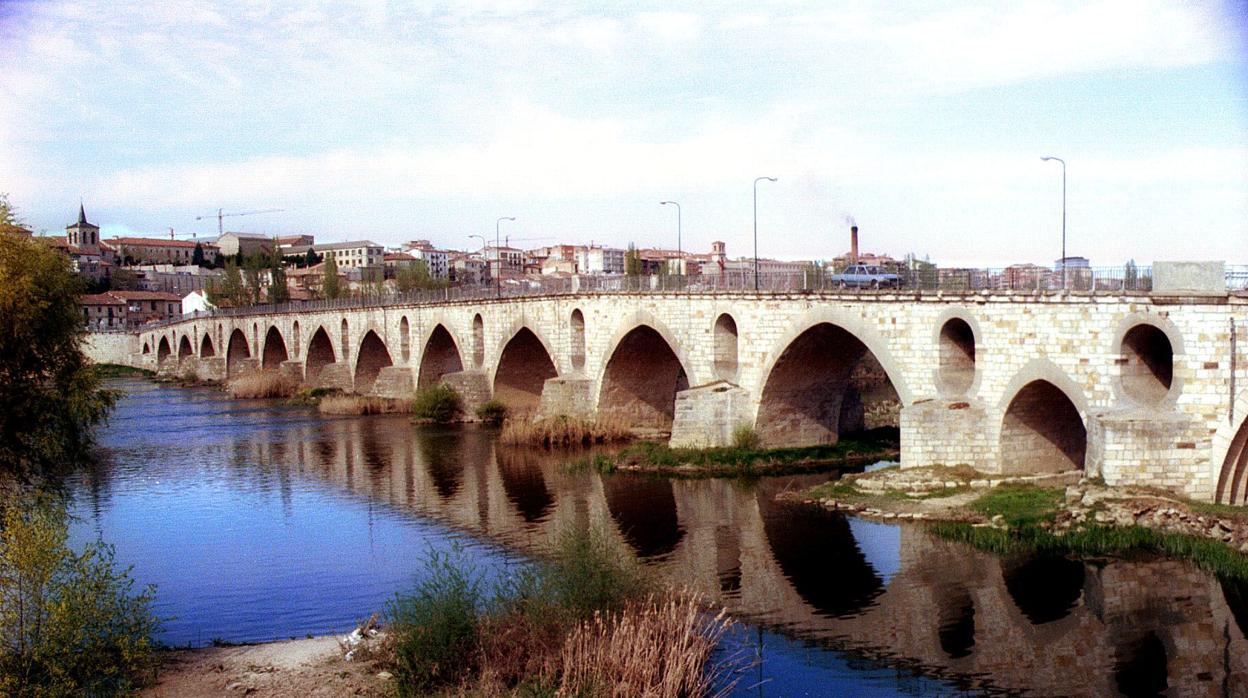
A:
137, 280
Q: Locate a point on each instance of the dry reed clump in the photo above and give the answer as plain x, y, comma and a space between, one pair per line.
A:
361, 405
659, 647
262, 384
565, 431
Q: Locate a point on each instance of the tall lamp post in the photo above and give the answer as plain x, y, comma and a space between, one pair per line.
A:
756, 181
498, 255
1046, 159
483, 246
679, 257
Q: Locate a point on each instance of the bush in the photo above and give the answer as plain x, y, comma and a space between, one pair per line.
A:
69, 622
439, 404
745, 438
492, 412
565, 431
436, 629
361, 405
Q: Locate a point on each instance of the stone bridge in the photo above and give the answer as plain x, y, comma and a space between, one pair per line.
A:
1137, 389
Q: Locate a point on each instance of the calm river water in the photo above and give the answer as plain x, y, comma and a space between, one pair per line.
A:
260, 521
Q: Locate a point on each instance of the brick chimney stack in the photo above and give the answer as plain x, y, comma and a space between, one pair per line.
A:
853, 244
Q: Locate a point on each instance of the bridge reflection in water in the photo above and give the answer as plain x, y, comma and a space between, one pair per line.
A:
1047, 625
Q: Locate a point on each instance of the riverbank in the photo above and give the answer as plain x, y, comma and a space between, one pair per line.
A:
1060, 512
659, 459
306, 668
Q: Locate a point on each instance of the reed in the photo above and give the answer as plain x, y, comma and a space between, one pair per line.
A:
361, 405
660, 647
565, 431
262, 384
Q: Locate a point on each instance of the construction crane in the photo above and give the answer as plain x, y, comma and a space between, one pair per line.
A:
221, 216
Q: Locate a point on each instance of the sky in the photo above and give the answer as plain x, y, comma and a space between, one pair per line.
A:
922, 122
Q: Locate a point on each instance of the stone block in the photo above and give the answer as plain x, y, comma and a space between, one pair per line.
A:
707, 415
394, 382
336, 376
473, 387
571, 396
1189, 278
292, 369
211, 369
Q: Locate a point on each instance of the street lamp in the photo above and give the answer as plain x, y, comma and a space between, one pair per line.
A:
498, 255
1046, 159
756, 181
679, 264
483, 245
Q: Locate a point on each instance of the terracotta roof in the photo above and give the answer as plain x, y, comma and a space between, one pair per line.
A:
145, 295
101, 299
159, 242
398, 256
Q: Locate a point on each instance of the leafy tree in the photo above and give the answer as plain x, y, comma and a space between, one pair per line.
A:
197, 257
331, 285
231, 291
632, 261
254, 265
9, 222
416, 276
278, 291
125, 280
50, 396
70, 623
311, 259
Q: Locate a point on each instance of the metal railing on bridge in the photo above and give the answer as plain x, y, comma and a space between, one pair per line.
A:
1120, 280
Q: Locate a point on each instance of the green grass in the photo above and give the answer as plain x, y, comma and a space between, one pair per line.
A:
1020, 505
1025, 508
749, 461
119, 371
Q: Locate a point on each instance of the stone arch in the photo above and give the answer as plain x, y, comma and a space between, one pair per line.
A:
320, 353
344, 339
371, 358
274, 350
478, 341
576, 353
1233, 476
296, 340
163, 351
524, 366
644, 371
861, 331
725, 345
206, 347
255, 336
236, 352
813, 390
147, 349
1042, 431
439, 357
1146, 346
405, 340
185, 348
957, 338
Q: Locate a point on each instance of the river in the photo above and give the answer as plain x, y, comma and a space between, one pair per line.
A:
260, 521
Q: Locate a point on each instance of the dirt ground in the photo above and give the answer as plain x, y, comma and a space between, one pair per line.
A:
304, 668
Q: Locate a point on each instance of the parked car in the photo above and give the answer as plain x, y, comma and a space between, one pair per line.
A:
866, 276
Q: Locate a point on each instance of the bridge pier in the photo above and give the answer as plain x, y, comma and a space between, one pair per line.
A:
707, 416
242, 367
1134, 445
394, 382
212, 369
947, 432
336, 376
473, 387
568, 395
291, 369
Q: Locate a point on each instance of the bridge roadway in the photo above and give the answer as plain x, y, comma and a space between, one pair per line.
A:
1134, 388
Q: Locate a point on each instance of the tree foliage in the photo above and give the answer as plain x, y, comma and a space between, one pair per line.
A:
632, 261
50, 396
331, 285
197, 257
278, 290
70, 623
